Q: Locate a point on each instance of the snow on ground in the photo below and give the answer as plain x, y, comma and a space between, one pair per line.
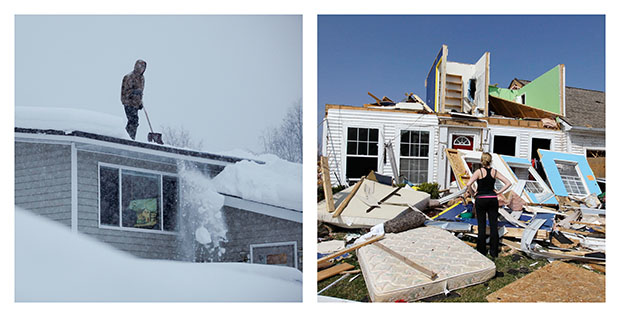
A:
277, 182
53, 264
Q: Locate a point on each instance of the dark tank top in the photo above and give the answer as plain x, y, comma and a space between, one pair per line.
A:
486, 185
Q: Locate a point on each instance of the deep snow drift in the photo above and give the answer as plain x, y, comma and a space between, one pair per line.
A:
53, 264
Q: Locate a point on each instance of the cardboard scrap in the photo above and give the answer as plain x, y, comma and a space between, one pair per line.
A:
555, 282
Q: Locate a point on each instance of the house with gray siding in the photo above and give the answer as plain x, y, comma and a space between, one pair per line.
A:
127, 194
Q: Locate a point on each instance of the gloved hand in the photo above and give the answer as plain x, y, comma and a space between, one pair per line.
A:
140, 107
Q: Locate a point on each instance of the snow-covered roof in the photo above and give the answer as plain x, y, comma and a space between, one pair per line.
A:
92, 125
53, 264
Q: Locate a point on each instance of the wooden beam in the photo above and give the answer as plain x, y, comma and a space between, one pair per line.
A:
346, 201
349, 249
375, 98
327, 184
430, 274
334, 270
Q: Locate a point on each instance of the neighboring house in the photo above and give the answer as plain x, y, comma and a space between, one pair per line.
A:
127, 194
461, 111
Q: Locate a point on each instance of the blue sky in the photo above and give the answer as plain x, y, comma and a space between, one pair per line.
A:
225, 79
391, 55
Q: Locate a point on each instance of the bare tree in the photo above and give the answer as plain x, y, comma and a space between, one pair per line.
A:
179, 137
286, 140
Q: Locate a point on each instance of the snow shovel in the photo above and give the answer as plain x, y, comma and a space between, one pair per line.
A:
152, 137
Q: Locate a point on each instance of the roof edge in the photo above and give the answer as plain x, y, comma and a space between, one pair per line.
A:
109, 139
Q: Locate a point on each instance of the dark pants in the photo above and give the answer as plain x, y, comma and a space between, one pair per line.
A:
132, 121
484, 207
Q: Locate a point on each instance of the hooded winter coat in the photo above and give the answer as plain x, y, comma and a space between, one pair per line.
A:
133, 86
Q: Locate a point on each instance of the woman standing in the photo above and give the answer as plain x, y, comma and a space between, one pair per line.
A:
486, 202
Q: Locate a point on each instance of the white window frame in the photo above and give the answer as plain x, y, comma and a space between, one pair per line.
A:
475, 138
431, 150
579, 176
120, 195
537, 179
274, 244
345, 140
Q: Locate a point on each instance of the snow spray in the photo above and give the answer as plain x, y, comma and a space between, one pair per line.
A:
202, 229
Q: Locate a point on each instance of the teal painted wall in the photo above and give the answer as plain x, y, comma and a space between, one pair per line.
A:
542, 93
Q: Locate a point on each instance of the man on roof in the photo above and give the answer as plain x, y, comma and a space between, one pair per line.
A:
131, 96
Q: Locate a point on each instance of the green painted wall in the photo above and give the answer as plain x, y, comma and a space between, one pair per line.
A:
542, 93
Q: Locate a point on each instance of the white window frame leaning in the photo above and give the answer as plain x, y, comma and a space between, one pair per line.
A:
120, 194
579, 177
428, 156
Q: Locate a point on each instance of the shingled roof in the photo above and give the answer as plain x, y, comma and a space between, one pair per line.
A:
584, 107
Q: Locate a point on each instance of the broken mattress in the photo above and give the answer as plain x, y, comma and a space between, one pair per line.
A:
358, 212
389, 279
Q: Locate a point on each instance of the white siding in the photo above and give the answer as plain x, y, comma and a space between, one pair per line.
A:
524, 138
580, 141
389, 124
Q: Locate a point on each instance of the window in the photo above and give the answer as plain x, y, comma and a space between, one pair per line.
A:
531, 185
137, 199
362, 151
279, 253
571, 178
504, 144
414, 150
471, 92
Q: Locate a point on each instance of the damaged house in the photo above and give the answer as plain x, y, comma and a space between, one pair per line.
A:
408, 140
134, 196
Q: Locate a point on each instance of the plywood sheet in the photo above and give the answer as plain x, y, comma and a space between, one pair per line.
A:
555, 282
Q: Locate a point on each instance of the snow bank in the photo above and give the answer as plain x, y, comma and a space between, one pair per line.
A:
53, 264
69, 120
277, 182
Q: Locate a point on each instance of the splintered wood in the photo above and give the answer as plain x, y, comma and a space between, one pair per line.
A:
555, 282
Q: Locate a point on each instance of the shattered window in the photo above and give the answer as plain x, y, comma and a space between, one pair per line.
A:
362, 151
136, 199
414, 155
571, 178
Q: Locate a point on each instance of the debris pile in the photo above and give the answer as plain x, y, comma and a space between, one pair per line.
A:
411, 247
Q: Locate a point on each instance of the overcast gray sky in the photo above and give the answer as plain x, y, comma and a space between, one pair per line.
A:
225, 79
